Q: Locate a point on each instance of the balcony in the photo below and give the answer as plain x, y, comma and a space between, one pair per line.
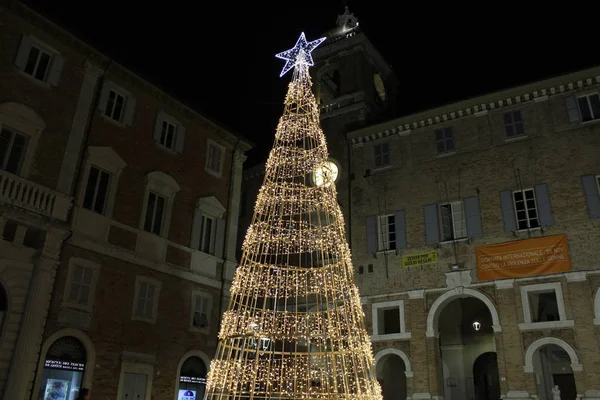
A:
31, 196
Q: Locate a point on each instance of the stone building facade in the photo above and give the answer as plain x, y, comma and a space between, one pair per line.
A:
474, 230
119, 214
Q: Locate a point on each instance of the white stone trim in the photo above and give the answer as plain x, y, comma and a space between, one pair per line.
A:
597, 307
166, 186
211, 207
90, 361
73, 261
504, 284
192, 353
457, 293
416, 294
136, 367
151, 281
22, 119
543, 287
403, 335
107, 159
578, 276
533, 347
408, 368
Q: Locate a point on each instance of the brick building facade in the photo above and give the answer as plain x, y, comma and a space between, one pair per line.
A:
474, 229
119, 212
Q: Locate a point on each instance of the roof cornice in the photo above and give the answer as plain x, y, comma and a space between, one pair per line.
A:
96, 57
533, 92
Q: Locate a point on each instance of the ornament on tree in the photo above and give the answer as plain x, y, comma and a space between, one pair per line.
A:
294, 327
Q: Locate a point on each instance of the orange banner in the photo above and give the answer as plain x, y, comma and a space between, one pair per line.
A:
539, 256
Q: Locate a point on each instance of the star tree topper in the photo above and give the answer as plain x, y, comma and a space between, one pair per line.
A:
299, 54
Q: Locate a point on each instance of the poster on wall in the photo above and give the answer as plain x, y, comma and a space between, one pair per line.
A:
529, 257
56, 389
185, 394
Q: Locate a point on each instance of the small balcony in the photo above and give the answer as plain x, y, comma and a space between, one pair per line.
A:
31, 196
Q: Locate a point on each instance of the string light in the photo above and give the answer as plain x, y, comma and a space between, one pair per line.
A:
294, 327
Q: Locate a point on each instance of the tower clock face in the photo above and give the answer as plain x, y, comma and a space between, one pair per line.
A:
326, 174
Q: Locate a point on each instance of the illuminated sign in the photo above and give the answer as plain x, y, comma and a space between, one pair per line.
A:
65, 365
192, 379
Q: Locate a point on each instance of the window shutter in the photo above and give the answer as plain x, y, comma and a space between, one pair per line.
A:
158, 126
23, 52
592, 197
572, 110
542, 198
196, 230
129, 110
432, 230
508, 211
55, 70
473, 217
400, 220
371, 234
103, 98
180, 138
220, 238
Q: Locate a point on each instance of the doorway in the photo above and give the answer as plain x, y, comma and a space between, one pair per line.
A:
486, 379
552, 367
468, 351
391, 374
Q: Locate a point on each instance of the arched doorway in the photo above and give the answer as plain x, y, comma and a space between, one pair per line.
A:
391, 374
552, 367
466, 331
64, 366
192, 379
486, 380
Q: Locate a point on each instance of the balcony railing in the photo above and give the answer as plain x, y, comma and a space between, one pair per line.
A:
25, 194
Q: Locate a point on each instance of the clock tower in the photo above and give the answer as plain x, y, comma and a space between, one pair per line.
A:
354, 87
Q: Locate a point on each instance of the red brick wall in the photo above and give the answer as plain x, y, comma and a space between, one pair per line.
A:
112, 331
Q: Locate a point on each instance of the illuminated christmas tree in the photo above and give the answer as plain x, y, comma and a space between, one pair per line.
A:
294, 328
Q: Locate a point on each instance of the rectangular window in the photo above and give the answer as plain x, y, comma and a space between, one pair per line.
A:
38, 63
80, 286
96, 190
513, 124
146, 296
589, 107
214, 158
526, 209
444, 140
207, 235
543, 306
381, 155
167, 135
12, 150
155, 212
115, 106
200, 312
452, 221
389, 320
387, 232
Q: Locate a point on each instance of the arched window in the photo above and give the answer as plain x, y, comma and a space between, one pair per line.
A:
192, 379
63, 369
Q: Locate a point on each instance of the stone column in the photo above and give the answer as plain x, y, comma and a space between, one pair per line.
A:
233, 215
27, 347
419, 349
78, 128
514, 382
579, 301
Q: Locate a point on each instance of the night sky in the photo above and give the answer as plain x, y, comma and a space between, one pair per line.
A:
218, 57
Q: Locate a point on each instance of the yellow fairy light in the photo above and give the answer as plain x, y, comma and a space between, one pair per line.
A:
294, 327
